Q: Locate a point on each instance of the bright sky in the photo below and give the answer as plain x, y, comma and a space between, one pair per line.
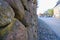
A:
44, 5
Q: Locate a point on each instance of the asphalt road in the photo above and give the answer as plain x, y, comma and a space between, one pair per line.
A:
48, 29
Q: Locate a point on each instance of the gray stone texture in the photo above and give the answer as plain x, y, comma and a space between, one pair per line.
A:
23, 25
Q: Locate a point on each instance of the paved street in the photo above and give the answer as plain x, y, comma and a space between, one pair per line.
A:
48, 29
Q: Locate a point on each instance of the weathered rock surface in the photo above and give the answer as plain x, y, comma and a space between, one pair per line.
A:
25, 12
6, 13
18, 8
25, 4
32, 27
14, 31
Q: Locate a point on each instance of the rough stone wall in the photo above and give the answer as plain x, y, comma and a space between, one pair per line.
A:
18, 20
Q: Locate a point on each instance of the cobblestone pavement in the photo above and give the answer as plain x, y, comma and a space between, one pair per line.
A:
45, 32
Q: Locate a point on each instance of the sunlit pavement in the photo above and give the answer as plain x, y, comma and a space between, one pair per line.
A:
48, 29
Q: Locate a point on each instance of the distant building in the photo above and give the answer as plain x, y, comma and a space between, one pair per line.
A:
57, 10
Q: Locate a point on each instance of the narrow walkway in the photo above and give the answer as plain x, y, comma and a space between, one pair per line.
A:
48, 29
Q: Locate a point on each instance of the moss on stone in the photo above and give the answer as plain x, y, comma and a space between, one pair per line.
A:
7, 29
